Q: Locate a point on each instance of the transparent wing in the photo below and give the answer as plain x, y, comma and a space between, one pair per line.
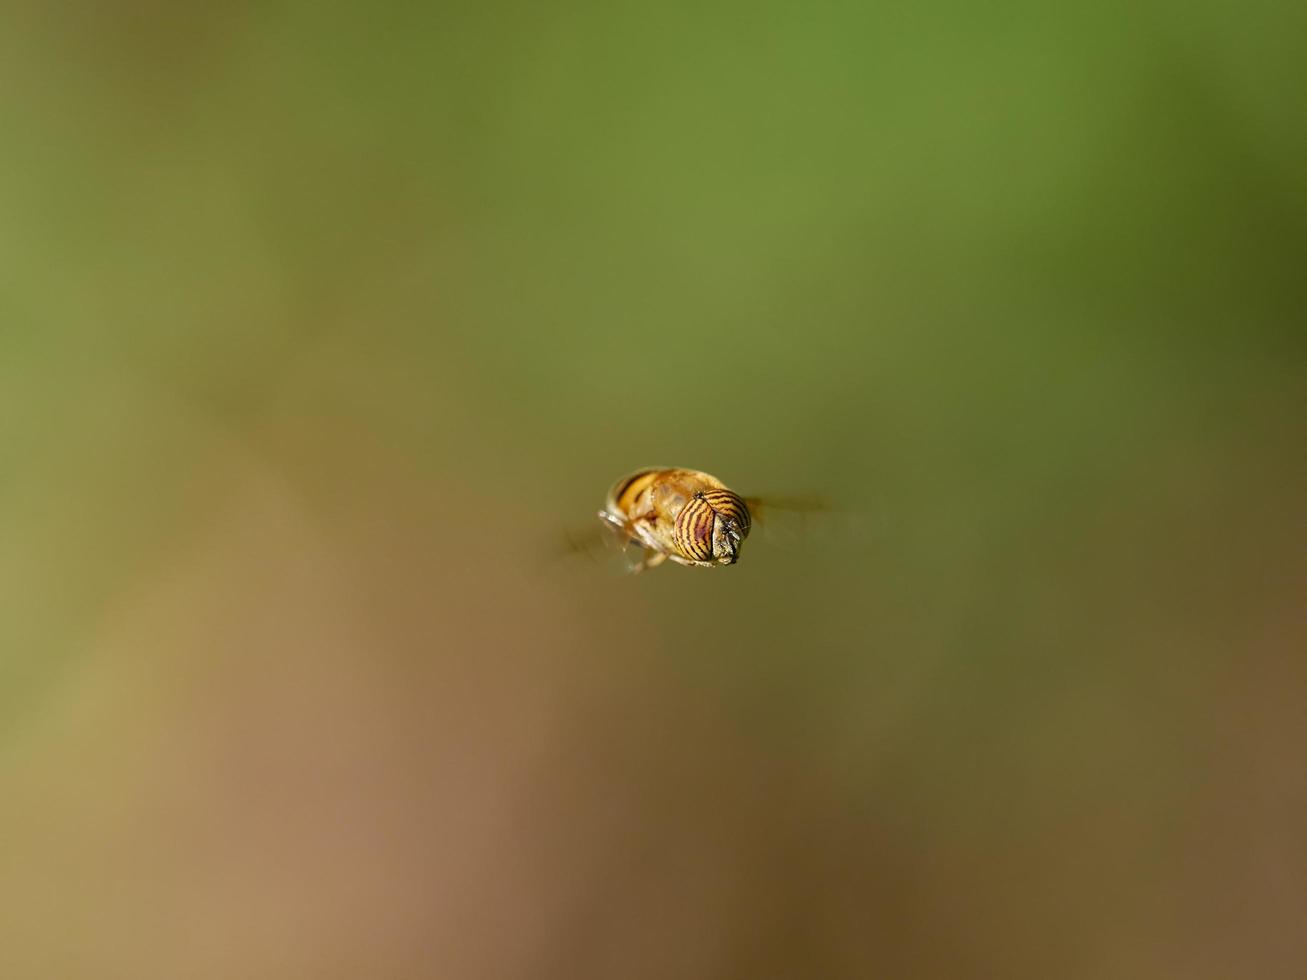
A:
792, 522
599, 543
763, 508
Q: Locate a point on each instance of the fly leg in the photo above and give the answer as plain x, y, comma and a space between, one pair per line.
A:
652, 559
639, 529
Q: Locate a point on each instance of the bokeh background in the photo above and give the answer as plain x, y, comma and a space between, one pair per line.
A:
322, 327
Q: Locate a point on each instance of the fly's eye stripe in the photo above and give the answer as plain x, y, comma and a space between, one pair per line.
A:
692, 532
730, 507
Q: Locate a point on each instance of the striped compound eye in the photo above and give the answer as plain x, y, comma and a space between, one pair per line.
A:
711, 526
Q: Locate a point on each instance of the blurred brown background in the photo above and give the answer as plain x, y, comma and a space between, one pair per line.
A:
320, 327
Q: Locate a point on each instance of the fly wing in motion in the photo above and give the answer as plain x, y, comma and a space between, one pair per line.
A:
794, 522
601, 543
763, 507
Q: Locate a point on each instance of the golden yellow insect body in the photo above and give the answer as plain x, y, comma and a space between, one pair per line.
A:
685, 515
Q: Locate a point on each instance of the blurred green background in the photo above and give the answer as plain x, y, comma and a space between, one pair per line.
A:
321, 326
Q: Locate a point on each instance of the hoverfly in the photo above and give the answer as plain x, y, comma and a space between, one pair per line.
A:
685, 515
